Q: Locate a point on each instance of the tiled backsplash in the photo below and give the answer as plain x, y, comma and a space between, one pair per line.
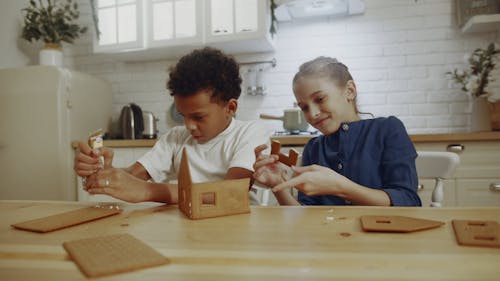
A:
398, 53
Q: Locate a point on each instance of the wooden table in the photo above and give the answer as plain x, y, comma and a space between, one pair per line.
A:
270, 243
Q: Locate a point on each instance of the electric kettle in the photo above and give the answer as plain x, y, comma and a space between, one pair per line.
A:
131, 122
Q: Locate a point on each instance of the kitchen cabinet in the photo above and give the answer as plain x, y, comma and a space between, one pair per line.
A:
482, 23
174, 22
174, 27
237, 26
477, 178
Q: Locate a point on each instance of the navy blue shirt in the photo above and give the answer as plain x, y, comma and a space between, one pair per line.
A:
376, 153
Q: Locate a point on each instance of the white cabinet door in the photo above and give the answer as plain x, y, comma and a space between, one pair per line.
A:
239, 26
478, 192
221, 17
230, 17
479, 169
246, 16
174, 22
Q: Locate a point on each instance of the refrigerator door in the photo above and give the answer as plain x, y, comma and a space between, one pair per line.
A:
42, 110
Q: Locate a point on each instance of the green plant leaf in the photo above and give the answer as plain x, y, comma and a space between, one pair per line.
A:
51, 21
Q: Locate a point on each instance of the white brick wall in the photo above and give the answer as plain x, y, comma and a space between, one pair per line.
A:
398, 53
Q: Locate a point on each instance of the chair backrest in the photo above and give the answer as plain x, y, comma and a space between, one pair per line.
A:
437, 165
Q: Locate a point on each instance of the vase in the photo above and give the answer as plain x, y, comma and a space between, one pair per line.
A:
51, 54
495, 115
480, 115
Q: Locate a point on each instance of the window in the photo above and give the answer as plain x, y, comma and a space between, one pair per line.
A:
208, 199
139, 24
120, 24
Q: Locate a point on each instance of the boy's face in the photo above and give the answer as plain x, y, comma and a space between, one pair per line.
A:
204, 118
325, 105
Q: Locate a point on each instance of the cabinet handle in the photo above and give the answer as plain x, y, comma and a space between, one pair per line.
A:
495, 186
455, 148
420, 187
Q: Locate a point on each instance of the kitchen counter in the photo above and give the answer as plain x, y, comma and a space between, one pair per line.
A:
455, 137
301, 140
270, 243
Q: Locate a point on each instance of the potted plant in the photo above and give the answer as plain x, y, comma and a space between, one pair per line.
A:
53, 22
475, 82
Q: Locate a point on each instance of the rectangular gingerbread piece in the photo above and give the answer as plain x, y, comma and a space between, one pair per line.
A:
67, 219
477, 233
112, 254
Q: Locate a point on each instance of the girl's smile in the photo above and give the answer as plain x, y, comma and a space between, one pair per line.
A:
325, 105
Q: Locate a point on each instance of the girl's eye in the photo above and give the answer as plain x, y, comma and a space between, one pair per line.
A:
304, 108
319, 99
198, 118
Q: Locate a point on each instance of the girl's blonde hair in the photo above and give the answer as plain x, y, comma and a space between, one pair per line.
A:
328, 67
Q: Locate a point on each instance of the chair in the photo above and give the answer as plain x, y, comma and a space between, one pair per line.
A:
438, 165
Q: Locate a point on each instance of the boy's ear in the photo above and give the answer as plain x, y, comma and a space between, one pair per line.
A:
232, 106
351, 91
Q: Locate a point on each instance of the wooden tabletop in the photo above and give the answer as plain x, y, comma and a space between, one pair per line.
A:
270, 243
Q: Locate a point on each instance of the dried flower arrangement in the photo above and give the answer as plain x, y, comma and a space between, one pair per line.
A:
475, 79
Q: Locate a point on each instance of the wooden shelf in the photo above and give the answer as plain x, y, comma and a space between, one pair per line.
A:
482, 23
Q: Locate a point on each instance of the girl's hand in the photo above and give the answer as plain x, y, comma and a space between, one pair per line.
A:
119, 184
267, 168
87, 161
315, 180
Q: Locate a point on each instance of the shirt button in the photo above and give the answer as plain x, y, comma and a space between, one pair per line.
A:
345, 127
339, 166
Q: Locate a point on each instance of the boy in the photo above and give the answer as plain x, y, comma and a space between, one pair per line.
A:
205, 85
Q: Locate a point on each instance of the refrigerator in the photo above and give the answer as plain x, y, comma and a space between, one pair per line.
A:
43, 109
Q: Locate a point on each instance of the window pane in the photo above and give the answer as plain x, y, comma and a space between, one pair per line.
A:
105, 3
127, 21
163, 21
107, 26
185, 18
246, 15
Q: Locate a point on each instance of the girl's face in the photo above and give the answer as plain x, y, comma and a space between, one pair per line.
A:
325, 105
204, 118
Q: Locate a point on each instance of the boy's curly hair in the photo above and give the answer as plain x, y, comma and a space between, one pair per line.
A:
206, 69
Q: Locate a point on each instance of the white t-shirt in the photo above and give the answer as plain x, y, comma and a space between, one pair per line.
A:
233, 147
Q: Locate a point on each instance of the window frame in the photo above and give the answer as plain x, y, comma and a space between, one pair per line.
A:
131, 45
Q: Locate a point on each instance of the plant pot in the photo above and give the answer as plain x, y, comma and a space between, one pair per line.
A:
480, 115
51, 54
495, 115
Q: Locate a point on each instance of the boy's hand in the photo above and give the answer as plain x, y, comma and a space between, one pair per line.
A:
119, 184
87, 161
267, 168
314, 180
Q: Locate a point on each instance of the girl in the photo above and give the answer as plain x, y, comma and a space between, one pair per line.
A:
354, 162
